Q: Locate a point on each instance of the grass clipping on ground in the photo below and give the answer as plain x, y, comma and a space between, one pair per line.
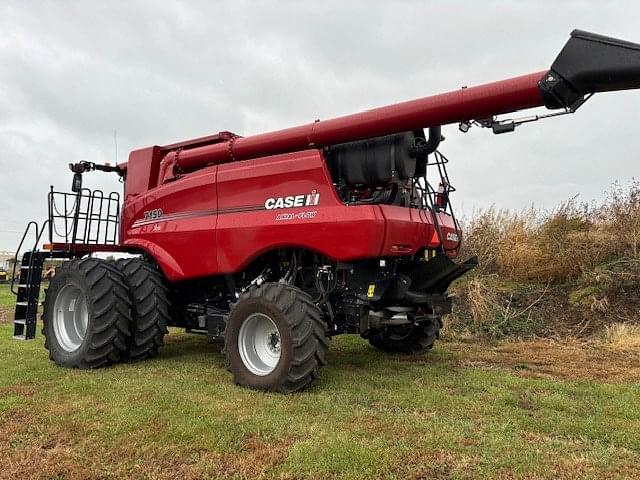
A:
569, 272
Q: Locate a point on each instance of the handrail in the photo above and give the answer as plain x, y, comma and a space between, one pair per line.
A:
15, 258
33, 251
39, 232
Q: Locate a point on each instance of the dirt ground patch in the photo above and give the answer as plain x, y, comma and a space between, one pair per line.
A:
5, 314
552, 359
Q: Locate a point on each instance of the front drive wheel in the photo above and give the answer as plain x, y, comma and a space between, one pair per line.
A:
87, 314
275, 339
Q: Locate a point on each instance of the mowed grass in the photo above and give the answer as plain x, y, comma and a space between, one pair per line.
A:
7, 299
7, 302
462, 411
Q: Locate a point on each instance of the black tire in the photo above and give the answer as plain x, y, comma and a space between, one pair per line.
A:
303, 343
108, 313
410, 340
150, 305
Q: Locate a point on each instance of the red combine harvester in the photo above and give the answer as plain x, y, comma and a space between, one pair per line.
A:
275, 242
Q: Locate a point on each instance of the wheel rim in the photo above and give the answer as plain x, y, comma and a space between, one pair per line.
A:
259, 344
70, 317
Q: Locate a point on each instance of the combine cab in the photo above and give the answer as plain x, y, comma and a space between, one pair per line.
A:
276, 242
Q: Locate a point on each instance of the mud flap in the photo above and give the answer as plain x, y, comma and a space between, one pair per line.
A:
438, 273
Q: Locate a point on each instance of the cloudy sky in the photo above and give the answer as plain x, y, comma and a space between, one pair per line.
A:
72, 73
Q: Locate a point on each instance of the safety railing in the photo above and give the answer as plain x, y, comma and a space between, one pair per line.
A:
85, 217
434, 198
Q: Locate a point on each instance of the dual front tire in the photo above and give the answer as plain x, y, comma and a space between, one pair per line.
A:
98, 312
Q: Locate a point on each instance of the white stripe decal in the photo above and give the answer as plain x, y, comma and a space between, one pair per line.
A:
199, 213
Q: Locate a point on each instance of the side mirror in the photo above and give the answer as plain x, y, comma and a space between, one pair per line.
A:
76, 186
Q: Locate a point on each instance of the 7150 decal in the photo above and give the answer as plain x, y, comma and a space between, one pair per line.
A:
153, 214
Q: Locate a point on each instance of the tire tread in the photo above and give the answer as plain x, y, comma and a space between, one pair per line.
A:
111, 313
307, 334
419, 341
150, 307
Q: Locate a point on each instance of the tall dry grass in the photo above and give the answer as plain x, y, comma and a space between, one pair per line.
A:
585, 259
623, 335
557, 245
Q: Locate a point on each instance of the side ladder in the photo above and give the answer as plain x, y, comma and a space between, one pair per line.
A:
29, 279
24, 323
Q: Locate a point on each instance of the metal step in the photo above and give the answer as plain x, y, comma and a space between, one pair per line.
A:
20, 322
24, 304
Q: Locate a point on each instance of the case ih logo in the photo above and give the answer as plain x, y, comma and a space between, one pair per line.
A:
307, 200
452, 237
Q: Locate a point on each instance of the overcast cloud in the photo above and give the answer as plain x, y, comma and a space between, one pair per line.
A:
157, 72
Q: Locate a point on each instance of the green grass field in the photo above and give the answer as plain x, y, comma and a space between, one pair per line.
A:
6, 297
527, 410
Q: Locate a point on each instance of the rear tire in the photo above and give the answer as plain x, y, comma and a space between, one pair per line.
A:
413, 340
86, 314
149, 297
275, 339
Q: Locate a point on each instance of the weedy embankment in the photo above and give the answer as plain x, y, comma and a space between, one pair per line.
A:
573, 271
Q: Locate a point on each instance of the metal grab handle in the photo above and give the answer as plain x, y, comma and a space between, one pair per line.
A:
39, 232
15, 258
